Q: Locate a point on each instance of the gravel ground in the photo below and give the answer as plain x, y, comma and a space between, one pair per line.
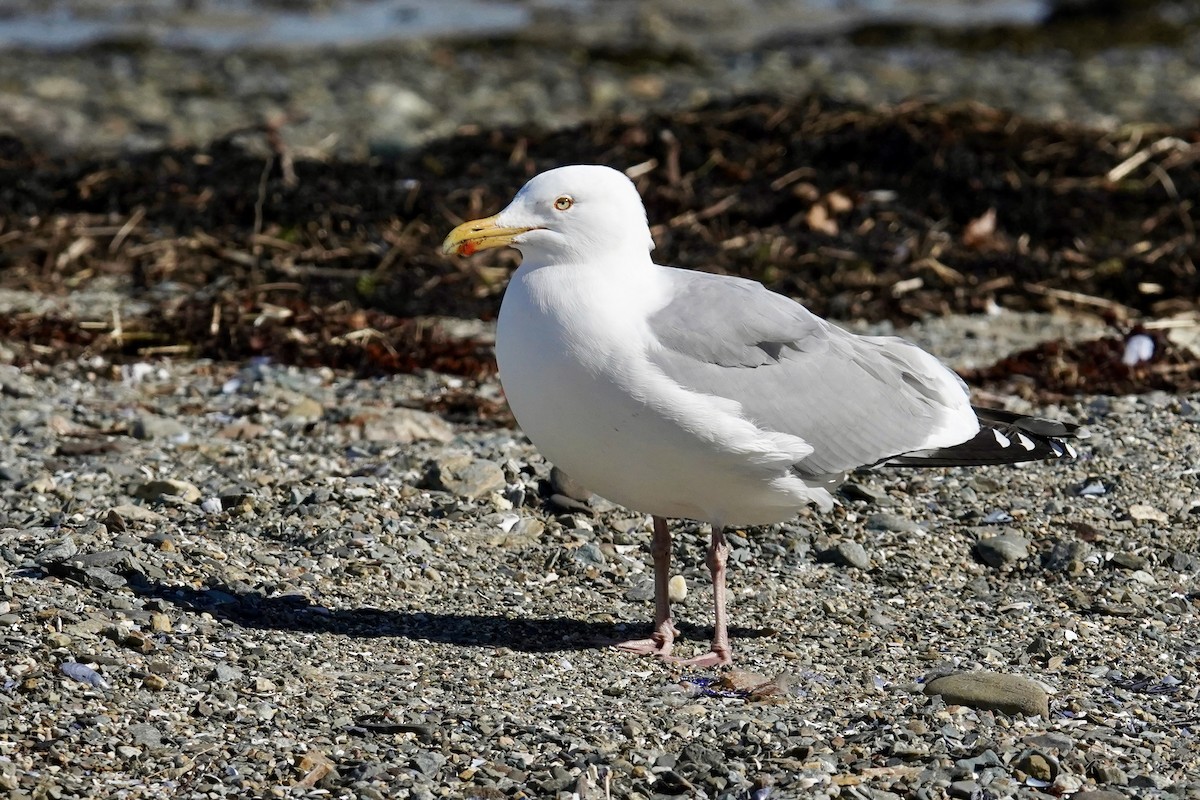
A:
259, 581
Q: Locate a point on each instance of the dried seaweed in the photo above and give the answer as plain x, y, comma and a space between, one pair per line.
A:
897, 214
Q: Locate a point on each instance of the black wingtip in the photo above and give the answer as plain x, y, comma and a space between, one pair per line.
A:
1003, 438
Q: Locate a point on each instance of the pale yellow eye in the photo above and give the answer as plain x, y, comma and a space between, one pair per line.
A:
564, 202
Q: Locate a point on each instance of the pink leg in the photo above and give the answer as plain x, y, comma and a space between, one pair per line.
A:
720, 652
660, 642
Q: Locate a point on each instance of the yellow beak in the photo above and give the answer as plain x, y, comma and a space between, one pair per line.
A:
479, 234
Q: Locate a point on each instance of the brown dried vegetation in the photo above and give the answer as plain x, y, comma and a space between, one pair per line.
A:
249, 250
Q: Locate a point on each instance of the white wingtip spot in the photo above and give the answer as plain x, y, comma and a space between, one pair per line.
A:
1025, 441
1001, 439
1057, 447
1071, 450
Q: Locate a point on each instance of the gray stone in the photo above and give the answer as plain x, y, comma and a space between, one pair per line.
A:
1108, 774
144, 735
462, 475
428, 762
886, 521
999, 551
964, 789
590, 555
151, 426
867, 492
1009, 694
1064, 553
564, 484
224, 673
1130, 561
847, 554
56, 549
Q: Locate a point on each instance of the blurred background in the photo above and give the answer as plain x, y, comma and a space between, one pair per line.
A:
364, 77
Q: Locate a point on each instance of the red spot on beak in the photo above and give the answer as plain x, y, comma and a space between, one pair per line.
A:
467, 248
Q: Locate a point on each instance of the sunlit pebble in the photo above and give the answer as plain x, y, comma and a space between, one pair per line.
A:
211, 505
677, 589
1139, 348
231, 386
136, 373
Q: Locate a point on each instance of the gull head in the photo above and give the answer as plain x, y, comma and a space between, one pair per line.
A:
572, 214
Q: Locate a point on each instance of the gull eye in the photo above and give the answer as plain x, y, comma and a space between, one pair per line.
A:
563, 202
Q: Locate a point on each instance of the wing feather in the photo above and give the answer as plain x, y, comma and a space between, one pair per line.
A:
855, 399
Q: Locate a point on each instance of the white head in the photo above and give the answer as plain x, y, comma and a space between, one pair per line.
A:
566, 215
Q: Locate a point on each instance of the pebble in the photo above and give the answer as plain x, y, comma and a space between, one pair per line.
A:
178, 489
150, 426
847, 554
1139, 512
405, 426
564, 485
304, 411
462, 475
895, 523
1010, 694
1002, 550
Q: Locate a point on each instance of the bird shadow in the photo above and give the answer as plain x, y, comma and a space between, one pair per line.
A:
298, 613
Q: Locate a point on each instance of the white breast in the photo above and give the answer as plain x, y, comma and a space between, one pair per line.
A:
581, 391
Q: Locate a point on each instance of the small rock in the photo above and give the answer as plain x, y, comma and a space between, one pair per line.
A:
998, 551
1107, 773
155, 683
1064, 554
677, 589
564, 503
590, 555
304, 411
144, 735
223, 673
43, 484
406, 425
465, 476
564, 484
56, 549
847, 554
132, 513
885, 521
965, 789
160, 622
1129, 561
428, 762
157, 490
1038, 765
58, 639
150, 426
242, 430
1009, 694
1144, 513
867, 492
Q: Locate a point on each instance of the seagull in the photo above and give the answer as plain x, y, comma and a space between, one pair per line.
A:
686, 394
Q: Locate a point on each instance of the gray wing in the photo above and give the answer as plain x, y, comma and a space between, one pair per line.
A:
855, 399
